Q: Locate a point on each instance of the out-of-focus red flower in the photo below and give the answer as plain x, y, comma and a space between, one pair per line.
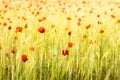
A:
19, 29
24, 58
65, 52
44, 18
25, 26
118, 21
70, 44
88, 26
79, 19
113, 16
37, 13
9, 28
69, 33
84, 36
78, 23
4, 24
41, 29
13, 51
101, 31
68, 18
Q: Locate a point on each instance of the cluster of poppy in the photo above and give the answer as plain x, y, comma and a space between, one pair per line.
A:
19, 29
24, 57
64, 52
40, 20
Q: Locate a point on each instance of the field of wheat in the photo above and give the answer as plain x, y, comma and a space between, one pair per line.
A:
59, 40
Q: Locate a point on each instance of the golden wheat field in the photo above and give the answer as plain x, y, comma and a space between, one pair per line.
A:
59, 40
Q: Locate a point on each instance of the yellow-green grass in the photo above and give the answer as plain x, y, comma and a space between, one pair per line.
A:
95, 57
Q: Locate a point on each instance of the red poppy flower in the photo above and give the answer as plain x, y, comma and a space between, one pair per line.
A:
79, 19
65, 52
70, 44
25, 26
69, 33
8, 19
40, 20
44, 18
88, 26
101, 31
9, 28
41, 29
113, 16
4, 24
33, 12
18, 17
68, 18
78, 23
37, 13
13, 51
118, 21
24, 58
19, 29
84, 36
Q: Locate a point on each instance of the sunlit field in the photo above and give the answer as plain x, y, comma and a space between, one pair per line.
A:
59, 40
